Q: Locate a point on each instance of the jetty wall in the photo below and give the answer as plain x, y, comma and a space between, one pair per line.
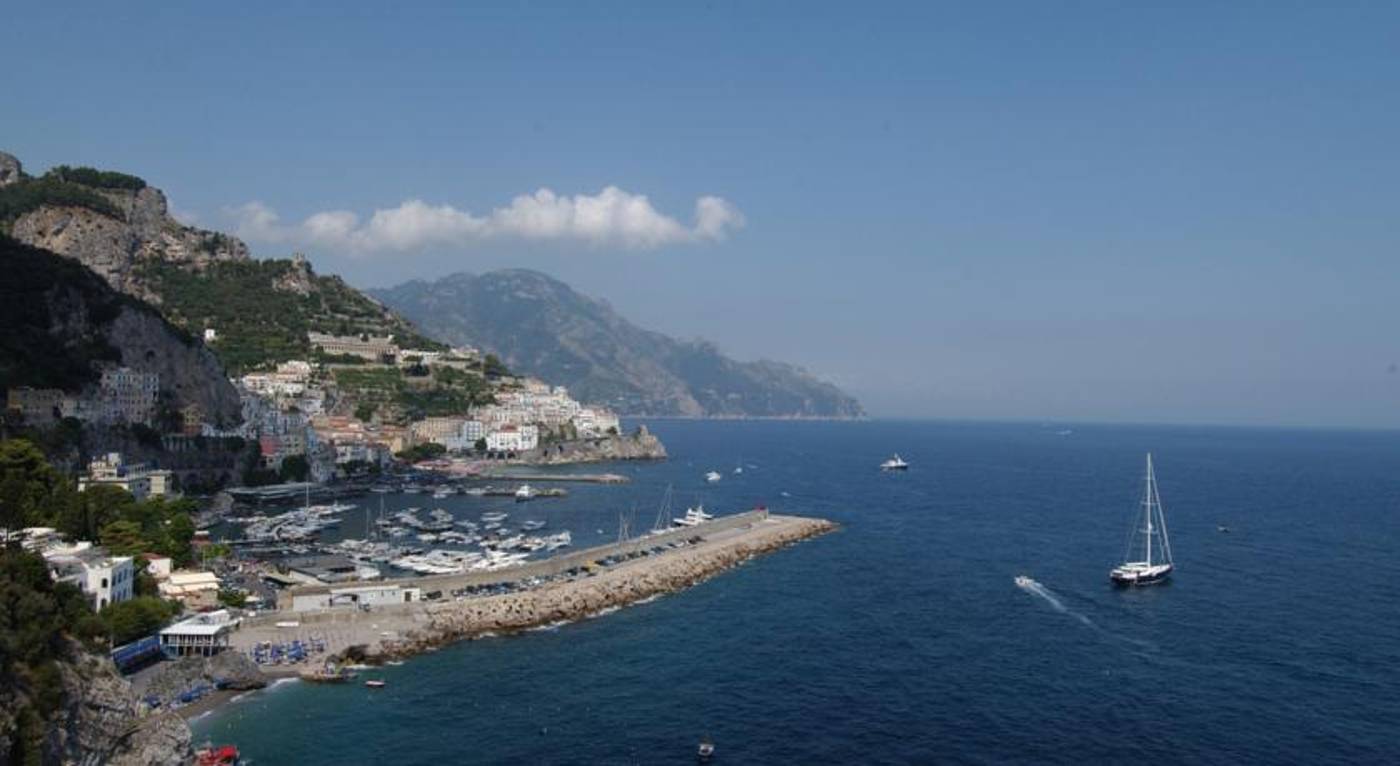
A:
545, 567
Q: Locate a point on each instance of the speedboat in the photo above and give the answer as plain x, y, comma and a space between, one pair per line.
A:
895, 463
1023, 581
706, 751
526, 492
713, 476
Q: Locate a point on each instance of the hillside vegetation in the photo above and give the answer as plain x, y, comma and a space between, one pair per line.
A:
263, 309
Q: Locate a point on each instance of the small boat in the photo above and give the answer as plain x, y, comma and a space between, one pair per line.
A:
525, 492
1223, 529
375, 683
532, 525
1153, 533
221, 755
1023, 581
713, 476
895, 463
706, 751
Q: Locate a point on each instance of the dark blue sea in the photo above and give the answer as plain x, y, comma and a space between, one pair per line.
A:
903, 638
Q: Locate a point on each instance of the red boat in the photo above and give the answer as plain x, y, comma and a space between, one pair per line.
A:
223, 755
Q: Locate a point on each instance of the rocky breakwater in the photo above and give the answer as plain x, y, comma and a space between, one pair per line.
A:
614, 587
640, 444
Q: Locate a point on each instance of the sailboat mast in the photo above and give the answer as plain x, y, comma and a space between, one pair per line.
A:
1147, 502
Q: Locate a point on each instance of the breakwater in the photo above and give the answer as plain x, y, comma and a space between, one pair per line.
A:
403, 630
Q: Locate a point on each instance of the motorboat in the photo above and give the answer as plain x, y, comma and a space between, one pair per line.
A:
693, 517
895, 463
713, 476
525, 492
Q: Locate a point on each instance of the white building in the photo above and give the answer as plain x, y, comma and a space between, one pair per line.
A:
513, 439
380, 594
104, 579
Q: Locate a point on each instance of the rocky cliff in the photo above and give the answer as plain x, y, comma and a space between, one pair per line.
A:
638, 445
541, 326
62, 323
134, 226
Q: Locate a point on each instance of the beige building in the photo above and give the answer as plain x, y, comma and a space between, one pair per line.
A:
196, 590
371, 348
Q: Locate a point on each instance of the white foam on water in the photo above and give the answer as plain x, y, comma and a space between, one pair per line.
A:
1035, 588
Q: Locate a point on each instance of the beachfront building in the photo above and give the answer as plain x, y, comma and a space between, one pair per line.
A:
362, 596
202, 635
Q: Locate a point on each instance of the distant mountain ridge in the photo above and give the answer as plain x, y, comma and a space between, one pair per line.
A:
541, 326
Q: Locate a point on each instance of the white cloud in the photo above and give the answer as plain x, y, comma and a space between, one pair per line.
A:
612, 217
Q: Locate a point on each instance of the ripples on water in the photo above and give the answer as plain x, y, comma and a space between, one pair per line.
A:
902, 638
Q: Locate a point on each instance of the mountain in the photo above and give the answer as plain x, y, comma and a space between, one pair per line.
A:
542, 327
61, 321
120, 227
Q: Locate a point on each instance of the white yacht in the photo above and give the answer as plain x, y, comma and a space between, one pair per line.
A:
713, 476
1155, 563
895, 463
693, 517
525, 492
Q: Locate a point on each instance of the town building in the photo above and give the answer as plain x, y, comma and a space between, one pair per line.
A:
111, 471
128, 396
37, 406
198, 591
372, 348
437, 430
513, 439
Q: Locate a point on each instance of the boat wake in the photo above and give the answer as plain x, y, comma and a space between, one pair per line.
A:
1034, 587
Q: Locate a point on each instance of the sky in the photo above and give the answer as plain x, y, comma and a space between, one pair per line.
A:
1048, 211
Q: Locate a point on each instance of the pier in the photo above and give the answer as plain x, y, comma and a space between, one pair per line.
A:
537, 478
561, 588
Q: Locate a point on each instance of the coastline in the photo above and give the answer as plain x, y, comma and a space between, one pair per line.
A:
402, 632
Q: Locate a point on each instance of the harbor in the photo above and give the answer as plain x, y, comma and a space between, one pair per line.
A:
558, 589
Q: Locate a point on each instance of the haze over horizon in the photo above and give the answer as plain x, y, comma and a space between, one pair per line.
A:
1012, 211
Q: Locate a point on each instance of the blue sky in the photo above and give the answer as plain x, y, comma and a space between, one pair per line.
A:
1077, 211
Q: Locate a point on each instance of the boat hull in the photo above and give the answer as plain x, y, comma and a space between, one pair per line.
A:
1129, 578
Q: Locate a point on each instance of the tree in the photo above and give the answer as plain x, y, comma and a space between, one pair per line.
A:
295, 468
27, 484
234, 598
365, 411
129, 620
493, 367
86, 513
123, 538
480, 445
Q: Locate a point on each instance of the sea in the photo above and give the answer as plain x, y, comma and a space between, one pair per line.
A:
904, 637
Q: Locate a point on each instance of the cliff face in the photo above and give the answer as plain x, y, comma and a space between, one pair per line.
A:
96, 720
638, 445
133, 226
542, 327
62, 322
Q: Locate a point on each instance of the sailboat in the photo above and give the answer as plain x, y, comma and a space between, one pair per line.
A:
1155, 565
